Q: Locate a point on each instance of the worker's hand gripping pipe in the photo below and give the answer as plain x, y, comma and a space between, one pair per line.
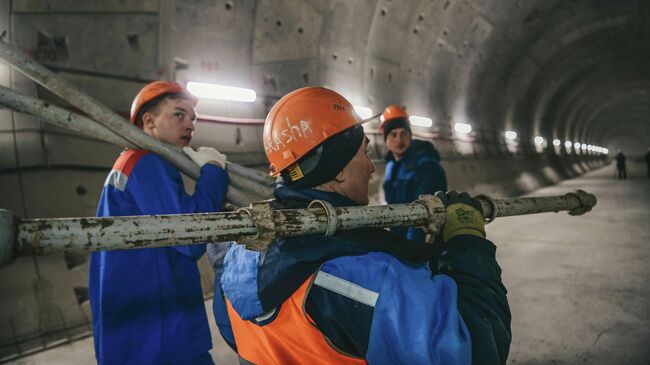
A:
122, 131
256, 226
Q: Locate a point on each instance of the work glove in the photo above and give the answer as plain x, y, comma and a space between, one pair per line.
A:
206, 155
464, 215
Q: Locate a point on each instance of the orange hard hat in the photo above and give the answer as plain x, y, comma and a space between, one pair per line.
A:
154, 90
302, 120
392, 112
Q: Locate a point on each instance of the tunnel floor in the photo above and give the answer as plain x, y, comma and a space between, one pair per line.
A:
578, 286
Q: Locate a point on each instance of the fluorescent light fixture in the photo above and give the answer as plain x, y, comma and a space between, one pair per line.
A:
511, 135
462, 127
557, 142
576, 145
590, 147
583, 147
539, 140
419, 121
363, 111
605, 151
567, 144
221, 92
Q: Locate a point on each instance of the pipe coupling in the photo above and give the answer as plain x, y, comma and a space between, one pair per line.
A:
489, 207
262, 215
332, 216
587, 202
436, 213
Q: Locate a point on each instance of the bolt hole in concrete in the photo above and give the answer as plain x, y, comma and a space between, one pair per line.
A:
300, 30
133, 41
228, 5
278, 23
335, 56
81, 190
383, 12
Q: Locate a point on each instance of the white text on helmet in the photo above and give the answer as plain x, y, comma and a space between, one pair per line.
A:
291, 133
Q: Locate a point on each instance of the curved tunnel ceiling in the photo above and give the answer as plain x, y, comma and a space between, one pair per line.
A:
587, 69
558, 69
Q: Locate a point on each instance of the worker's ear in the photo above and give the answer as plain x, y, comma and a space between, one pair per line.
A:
148, 121
342, 175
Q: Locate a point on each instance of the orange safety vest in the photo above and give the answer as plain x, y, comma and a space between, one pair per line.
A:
291, 338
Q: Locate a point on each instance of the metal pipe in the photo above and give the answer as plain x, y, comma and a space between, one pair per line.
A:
493, 208
46, 236
66, 119
111, 120
59, 117
239, 177
255, 227
96, 110
237, 197
251, 174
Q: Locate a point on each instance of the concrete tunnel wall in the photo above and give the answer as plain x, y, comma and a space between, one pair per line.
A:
577, 71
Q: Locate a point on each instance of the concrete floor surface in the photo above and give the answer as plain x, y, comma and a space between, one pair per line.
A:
578, 286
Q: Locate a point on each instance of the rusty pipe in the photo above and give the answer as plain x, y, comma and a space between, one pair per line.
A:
256, 226
576, 203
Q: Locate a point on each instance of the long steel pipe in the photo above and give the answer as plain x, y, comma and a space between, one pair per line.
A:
69, 120
59, 117
111, 120
255, 227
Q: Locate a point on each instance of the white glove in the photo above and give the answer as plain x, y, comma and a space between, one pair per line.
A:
206, 155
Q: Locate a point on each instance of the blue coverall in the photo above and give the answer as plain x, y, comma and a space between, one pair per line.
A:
147, 304
417, 172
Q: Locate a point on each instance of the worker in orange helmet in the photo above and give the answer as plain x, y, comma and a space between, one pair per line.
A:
361, 296
147, 305
412, 166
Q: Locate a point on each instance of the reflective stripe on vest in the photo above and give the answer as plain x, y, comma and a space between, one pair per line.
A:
291, 338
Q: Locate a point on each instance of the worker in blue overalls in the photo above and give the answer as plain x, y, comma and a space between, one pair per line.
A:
147, 304
412, 166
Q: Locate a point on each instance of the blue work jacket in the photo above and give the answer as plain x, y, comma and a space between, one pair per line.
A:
417, 172
410, 307
147, 304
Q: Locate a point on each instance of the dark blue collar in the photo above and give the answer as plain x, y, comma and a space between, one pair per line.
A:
284, 192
